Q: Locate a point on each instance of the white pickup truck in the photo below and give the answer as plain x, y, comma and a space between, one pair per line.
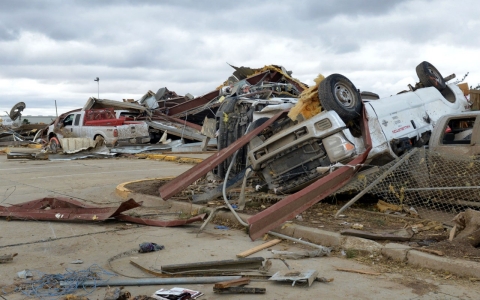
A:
108, 125
292, 156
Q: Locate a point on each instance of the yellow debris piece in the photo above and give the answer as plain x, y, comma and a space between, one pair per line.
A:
308, 104
269, 68
384, 206
279, 70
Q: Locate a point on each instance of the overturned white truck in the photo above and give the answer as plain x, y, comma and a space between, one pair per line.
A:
290, 155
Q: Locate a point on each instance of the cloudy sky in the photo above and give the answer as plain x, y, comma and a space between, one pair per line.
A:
53, 50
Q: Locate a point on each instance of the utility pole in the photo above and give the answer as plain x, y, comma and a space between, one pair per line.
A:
56, 111
98, 82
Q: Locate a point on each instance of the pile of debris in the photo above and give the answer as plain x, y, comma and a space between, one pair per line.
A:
165, 120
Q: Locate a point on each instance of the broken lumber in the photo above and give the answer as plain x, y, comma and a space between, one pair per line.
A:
452, 233
231, 283
358, 271
436, 252
259, 248
240, 290
399, 235
7, 258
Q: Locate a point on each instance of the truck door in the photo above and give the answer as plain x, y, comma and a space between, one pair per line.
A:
67, 123
77, 126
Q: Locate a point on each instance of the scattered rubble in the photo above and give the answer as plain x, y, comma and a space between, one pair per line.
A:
274, 134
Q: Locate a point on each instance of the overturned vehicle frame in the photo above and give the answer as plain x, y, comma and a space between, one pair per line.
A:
301, 154
290, 155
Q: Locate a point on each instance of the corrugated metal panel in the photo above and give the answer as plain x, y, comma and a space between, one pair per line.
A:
102, 103
74, 145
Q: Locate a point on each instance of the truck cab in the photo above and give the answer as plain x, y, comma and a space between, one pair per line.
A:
457, 135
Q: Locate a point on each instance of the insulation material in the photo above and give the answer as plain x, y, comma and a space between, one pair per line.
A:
308, 104
279, 70
264, 69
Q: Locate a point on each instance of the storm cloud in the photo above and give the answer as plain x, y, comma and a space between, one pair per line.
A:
52, 50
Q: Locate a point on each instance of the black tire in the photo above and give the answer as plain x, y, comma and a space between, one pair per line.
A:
256, 123
430, 76
338, 93
54, 146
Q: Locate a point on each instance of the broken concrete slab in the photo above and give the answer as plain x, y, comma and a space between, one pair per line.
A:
397, 252
369, 246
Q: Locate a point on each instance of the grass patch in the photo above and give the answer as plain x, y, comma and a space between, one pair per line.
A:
350, 253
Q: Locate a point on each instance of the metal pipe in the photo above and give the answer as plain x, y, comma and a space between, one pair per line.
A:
286, 237
443, 188
153, 281
224, 190
450, 77
375, 182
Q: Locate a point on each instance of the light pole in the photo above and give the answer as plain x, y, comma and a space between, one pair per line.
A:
98, 81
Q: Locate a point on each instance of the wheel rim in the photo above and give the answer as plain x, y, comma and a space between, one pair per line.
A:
344, 95
53, 147
435, 76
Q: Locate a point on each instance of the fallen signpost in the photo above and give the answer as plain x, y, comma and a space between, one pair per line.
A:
155, 281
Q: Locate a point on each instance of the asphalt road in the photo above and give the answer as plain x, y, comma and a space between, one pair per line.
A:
49, 247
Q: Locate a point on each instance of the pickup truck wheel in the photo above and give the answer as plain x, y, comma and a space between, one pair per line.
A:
429, 76
54, 145
337, 93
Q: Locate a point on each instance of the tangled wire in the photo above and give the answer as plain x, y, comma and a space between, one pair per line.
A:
55, 285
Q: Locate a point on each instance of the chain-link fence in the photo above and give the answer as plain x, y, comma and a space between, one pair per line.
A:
435, 186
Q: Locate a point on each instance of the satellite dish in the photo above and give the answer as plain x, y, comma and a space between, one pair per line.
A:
16, 110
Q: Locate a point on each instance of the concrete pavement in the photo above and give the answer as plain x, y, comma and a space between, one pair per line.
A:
50, 247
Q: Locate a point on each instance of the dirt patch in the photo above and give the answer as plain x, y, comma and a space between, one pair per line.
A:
419, 287
458, 249
148, 187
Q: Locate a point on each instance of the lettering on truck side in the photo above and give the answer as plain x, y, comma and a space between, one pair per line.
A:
401, 129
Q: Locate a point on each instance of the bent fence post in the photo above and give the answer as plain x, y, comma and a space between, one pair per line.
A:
375, 182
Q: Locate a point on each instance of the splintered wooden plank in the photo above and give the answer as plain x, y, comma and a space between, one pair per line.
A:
230, 283
358, 271
7, 257
259, 247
